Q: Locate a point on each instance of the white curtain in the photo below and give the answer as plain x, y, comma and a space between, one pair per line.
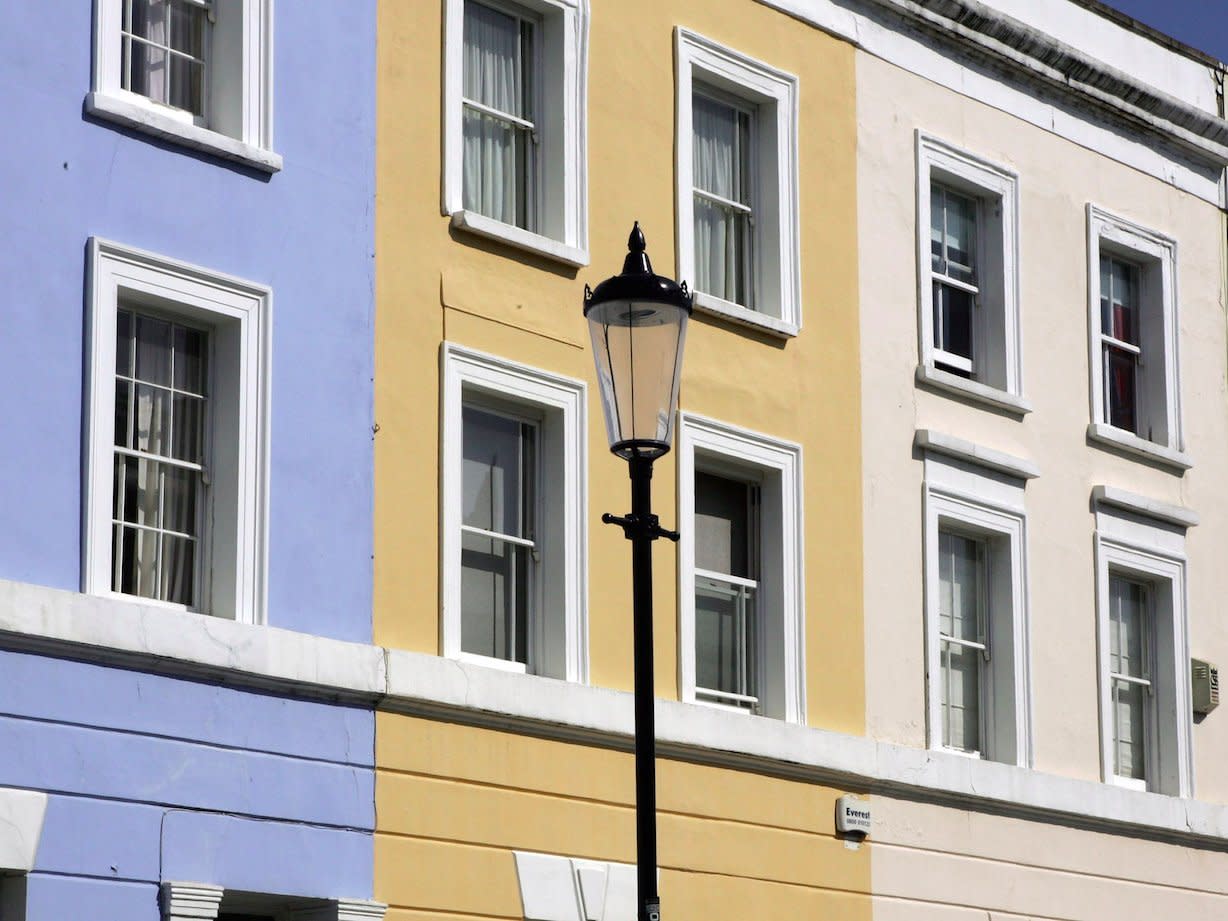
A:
715, 168
491, 173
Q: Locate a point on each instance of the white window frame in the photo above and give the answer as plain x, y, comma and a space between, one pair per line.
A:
1151, 551
985, 503
238, 315
562, 161
773, 94
998, 273
244, 52
1156, 257
560, 402
776, 466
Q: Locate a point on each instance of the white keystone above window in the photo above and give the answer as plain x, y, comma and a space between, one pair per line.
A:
198, 72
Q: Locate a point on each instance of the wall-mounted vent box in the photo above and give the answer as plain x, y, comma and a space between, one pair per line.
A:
1205, 680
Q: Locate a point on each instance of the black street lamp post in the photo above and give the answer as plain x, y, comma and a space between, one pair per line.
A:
638, 325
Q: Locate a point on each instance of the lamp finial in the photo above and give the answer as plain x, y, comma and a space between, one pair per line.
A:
636, 242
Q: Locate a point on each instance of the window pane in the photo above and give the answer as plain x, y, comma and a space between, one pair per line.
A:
960, 236
716, 148
492, 59
961, 697
153, 350
123, 343
496, 169
188, 428
725, 632
1121, 372
177, 565
1127, 630
187, 31
123, 421
152, 419
937, 220
189, 360
953, 311
722, 252
185, 90
960, 577
722, 525
138, 484
498, 474
1129, 724
134, 559
179, 503
494, 597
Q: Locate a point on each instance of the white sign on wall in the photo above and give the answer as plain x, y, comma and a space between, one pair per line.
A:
853, 815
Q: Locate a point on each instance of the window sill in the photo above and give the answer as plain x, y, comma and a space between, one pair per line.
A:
535, 243
1129, 443
936, 378
147, 118
735, 313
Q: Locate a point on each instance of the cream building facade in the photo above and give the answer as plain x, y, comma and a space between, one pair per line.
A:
973, 516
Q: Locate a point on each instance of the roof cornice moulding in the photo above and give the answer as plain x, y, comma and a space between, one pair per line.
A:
1001, 40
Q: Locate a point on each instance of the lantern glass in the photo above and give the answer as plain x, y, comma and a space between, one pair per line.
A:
637, 345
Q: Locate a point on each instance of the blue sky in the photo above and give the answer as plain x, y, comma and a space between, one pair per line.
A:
1200, 23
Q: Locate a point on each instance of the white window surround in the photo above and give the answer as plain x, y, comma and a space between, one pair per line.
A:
559, 632
242, 89
775, 187
1157, 256
238, 315
707, 444
1152, 551
987, 503
564, 167
997, 337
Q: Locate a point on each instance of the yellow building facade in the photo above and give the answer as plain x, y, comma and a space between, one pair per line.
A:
464, 786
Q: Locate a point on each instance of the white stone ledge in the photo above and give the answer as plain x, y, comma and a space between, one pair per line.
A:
1177, 515
941, 443
142, 636
148, 119
517, 237
131, 634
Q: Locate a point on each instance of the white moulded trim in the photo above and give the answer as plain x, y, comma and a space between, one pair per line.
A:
234, 556
521, 239
132, 634
1125, 236
1177, 515
929, 376
565, 208
718, 443
761, 84
911, 48
736, 313
983, 179
988, 508
1104, 434
941, 443
183, 901
564, 400
248, 58
21, 827
119, 108
53, 621
1154, 554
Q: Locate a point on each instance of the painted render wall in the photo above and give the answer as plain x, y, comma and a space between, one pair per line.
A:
454, 800
306, 232
152, 778
149, 777
1057, 179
